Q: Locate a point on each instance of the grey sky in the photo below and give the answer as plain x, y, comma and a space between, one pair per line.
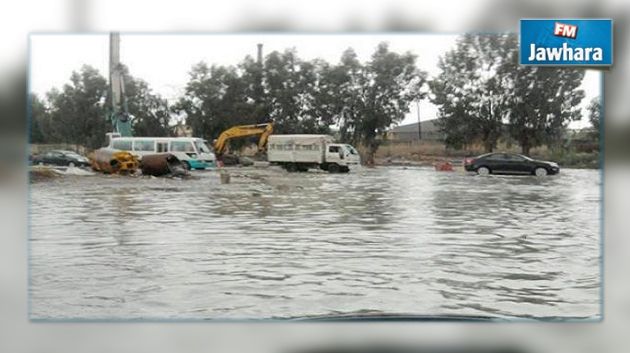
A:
165, 60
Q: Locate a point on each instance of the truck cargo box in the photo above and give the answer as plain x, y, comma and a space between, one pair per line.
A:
297, 148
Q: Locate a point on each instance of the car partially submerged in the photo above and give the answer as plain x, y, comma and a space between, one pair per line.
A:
61, 158
509, 163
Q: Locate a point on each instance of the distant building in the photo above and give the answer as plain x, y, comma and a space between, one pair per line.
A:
410, 132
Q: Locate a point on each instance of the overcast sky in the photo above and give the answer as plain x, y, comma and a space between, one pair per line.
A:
164, 61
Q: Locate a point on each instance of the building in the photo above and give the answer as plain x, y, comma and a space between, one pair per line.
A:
411, 132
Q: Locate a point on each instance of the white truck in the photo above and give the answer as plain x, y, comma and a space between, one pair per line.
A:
301, 152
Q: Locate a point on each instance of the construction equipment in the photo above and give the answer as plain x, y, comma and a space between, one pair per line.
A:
162, 164
112, 161
119, 115
264, 130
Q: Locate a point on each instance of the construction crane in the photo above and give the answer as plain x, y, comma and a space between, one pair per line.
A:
119, 115
264, 130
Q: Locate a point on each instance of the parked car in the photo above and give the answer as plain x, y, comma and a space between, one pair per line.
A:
59, 157
509, 163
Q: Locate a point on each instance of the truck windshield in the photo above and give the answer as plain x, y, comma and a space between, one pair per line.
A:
202, 147
351, 149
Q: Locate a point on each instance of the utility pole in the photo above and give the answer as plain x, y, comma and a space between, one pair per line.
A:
419, 123
259, 57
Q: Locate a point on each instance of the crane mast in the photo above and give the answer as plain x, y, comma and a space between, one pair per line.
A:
119, 115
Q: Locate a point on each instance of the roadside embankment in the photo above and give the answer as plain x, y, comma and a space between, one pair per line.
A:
428, 153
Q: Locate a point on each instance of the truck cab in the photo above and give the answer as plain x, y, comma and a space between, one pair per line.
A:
340, 157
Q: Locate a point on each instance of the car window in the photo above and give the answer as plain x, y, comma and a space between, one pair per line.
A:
351, 149
515, 158
143, 145
496, 157
162, 146
333, 149
182, 146
202, 147
124, 145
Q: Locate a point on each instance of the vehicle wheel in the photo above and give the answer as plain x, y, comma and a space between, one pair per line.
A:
71, 165
345, 169
333, 168
186, 165
483, 171
540, 172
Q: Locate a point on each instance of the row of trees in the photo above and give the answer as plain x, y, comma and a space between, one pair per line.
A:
300, 96
480, 90
303, 96
77, 113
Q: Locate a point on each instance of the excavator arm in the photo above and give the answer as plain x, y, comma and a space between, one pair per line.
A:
264, 130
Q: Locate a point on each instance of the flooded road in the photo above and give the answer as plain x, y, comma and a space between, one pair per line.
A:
276, 245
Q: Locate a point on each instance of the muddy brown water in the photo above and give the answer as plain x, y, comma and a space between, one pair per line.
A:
276, 245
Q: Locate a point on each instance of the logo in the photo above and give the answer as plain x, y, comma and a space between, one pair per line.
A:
565, 30
582, 42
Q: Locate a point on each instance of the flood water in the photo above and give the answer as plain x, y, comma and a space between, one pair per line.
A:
276, 245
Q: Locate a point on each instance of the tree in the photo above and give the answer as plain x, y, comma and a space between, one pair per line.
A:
541, 100
77, 112
151, 112
283, 90
305, 96
468, 92
390, 84
39, 119
291, 86
482, 86
340, 95
594, 111
216, 98
252, 76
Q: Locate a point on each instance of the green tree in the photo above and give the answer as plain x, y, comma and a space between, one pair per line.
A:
151, 112
303, 96
39, 119
469, 92
594, 111
252, 76
541, 101
215, 99
482, 86
291, 85
390, 84
77, 112
340, 95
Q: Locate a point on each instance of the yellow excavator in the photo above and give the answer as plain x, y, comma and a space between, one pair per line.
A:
264, 130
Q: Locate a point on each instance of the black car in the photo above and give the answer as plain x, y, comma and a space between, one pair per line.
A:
509, 163
64, 158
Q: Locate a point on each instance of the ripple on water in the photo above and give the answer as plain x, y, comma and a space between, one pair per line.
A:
274, 244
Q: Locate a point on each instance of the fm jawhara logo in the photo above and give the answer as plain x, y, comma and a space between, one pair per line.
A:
560, 42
